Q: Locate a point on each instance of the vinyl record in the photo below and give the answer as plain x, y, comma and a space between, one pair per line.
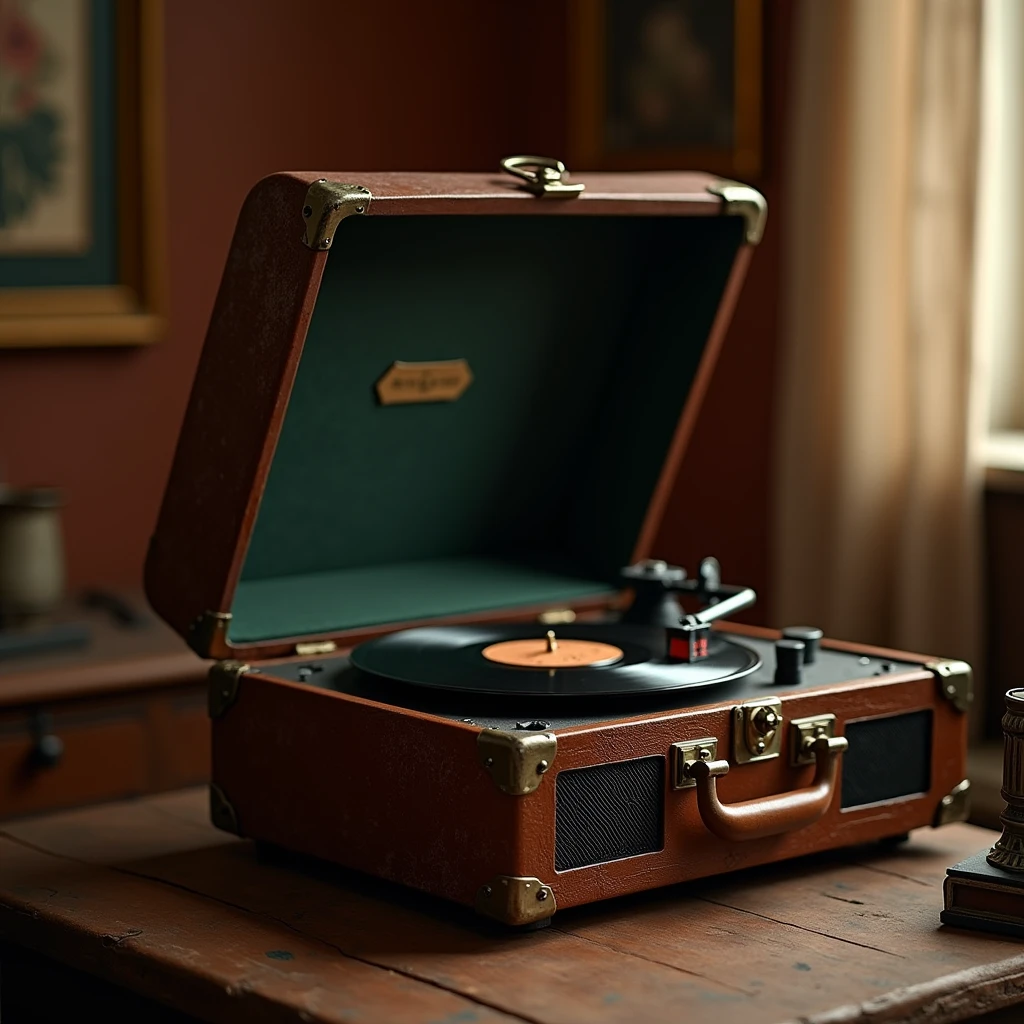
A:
451, 658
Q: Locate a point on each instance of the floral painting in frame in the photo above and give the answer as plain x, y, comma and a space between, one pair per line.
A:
80, 190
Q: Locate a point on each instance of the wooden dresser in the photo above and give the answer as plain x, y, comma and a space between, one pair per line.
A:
124, 716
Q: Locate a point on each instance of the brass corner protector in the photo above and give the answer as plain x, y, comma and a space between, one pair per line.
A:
739, 200
515, 901
327, 204
222, 686
222, 812
954, 806
516, 761
208, 634
956, 681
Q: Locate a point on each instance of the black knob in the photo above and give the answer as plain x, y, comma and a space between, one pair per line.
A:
811, 638
47, 751
789, 662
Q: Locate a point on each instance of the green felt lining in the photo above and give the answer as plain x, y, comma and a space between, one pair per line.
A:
583, 334
371, 595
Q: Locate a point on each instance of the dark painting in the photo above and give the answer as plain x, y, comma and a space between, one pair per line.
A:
670, 73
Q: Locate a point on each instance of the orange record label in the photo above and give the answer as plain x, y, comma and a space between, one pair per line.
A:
550, 653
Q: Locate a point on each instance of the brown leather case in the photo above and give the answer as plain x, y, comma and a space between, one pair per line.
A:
511, 818
472, 814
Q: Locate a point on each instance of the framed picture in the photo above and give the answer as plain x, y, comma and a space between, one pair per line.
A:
81, 158
666, 84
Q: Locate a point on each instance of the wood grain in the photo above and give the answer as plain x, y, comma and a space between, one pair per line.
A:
147, 895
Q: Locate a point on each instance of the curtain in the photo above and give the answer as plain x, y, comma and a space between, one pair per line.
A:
878, 479
999, 264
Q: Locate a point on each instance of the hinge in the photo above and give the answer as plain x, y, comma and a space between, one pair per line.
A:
222, 812
739, 200
222, 686
517, 763
516, 901
208, 634
955, 680
327, 204
954, 806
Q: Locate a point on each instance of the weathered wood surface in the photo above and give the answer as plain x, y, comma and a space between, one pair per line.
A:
146, 894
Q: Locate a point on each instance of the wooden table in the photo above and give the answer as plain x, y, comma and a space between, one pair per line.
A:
102, 906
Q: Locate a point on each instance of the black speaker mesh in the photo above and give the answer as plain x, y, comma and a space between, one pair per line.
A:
888, 758
608, 812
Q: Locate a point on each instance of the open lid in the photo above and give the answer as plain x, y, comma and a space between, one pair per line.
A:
474, 408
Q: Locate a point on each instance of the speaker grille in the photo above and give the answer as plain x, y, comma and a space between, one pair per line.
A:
608, 812
888, 758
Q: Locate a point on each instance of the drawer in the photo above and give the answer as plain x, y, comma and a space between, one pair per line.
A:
103, 757
104, 749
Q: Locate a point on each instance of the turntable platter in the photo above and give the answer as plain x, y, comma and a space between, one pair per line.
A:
452, 658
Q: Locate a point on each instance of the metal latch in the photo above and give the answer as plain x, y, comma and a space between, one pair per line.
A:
542, 175
757, 730
685, 754
802, 734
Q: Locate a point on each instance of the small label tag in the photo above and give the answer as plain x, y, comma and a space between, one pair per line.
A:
443, 381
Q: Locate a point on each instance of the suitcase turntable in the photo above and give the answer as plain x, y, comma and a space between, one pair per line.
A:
425, 670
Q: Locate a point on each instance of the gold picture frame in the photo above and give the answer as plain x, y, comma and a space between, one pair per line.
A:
607, 40
131, 309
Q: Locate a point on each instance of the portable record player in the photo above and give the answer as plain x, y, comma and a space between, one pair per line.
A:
434, 417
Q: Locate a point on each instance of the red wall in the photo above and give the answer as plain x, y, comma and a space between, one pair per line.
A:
255, 86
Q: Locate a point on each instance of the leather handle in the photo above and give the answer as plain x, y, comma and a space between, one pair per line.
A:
769, 816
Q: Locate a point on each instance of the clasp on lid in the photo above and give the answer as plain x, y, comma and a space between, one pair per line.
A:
542, 175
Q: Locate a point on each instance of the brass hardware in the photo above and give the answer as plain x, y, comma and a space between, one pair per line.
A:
684, 754
405, 383
208, 633
222, 686
516, 901
556, 617
552, 642
222, 813
773, 815
1008, 852
757, 730
516, 762
311, 647
327, 204
802, 734
954, 806
956, 680
739, 200
542, 176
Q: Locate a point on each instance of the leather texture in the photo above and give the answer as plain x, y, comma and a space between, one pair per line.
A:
402, 794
